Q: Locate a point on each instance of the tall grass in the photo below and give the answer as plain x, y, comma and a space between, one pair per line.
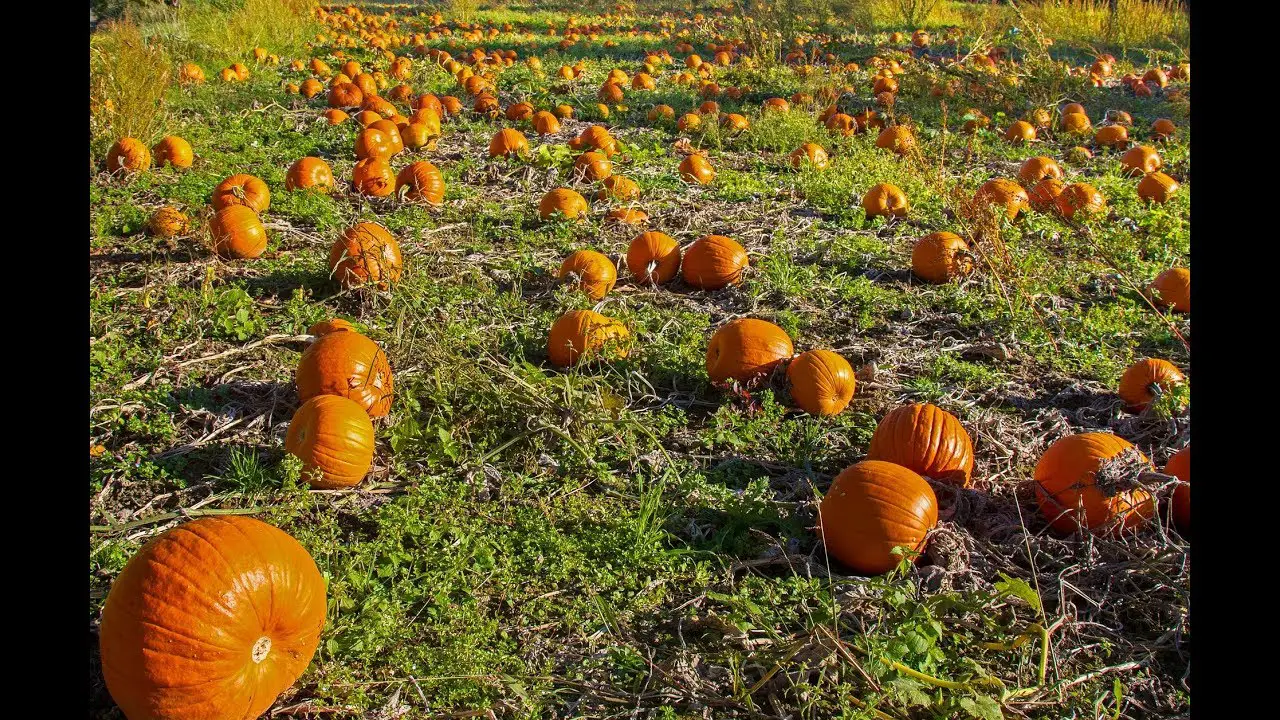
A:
1146, 23
128, 77
224, 32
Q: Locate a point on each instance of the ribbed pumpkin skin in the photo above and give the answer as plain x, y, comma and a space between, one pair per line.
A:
1035, 169
653, 258
242, 189
873, 507
592, 166
1179, 466
563, 200
333, 437
927, 440
1044, 195
617, 187
508, 142
374, 143
898, 138
595, 137
1003, 193
822, 382
416, 135
941, 256
812, 152
584, 333
696, 168
366, 253
714, 261
309, 172
1140, 160
1173, 287
595, 273
173, 150
237, 233
1135, 384
350, 365
128, 154
1112, 136
424, 182
373, 176
1020, 132
167, 222
345, 95
746, 348
1065, 481
182, 620
1157, 187
544, 123
885, 200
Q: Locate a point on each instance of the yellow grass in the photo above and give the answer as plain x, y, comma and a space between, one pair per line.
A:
1145, 23
208, 33
128, 77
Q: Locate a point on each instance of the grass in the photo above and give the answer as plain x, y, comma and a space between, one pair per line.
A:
582, 543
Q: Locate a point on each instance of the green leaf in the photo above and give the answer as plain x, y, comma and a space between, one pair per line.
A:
1019, 589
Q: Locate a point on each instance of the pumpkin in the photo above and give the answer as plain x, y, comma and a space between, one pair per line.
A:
1071, 495
617, 187
212, 619
173, 150
324, 327
242, 189
190, 74
1163, 129
422, 181
373, 142
365, 83
1173, 288
237, 233
1112, 136
1080, 198
841, 124
822, 382
349, 365
1156, 76
1179, 466
1004, 194
309, 172
696, 168
585, 335
128, 154
418, 135
897, 138
333, 437
593, 273
1157, 187
167, 222
345, 95
776, 104
1020, 132
564, 112
1140, 160
653, 258
564, 201
627, 216
885, 200
1076, 123
1078, 155
746, 348
373, 176
310, 88
689, 122
1120, 116
813, 154
367, 118
661, 114
713, 261
508, 142
873, 507
733, 123
366, 253
927, 440
592, 167
388, 128
710, 107
1142, 380
940, 257
1035, 169
544, 123
869, 120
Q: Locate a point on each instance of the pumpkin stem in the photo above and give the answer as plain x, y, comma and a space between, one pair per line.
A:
1120, 473
261, 649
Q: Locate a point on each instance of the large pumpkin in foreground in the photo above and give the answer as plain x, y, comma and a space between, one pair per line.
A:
873, 507
350, 365
213, 619
927, 440
746, 348
1071, 494
333, 437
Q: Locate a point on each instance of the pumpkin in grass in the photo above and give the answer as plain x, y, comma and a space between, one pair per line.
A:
713, 261
373, 176
1003, 194
1080, 199
418, 135
733, 123
345, 95
627, 216
1076, 123
689, 122
584, 335
1020, 132
190, 74
242, 189
927, 440
237, 233
1044, 194
617, 187
592, 166
873, 507
333, 437
1115, 137
897, 138
365, 83
367, 118
421, 181
562, 111
591, 271
940, 257
653, 258
746, 348
841, 124
167, 222
311, 88
508, 142
868, 120
1144, 379
1179, 466
661, 114
211, 619
1035, 169
1071, 494
173, 150
1173, 288
544, 123
1157, 187
822, 382
1140, 160
776, 104
696, 168
128, 155
375, 143
564, 201
349, 365
1163, 129
451, 105
324, 327
813, 154
388, 128
596, 137
309, 173
366, 253
518, 111
885, 200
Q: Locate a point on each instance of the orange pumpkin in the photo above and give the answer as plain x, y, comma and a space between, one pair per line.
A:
128, 155
689, 122
591, 271
349, 365
927, 440
345, 95
324, 327
309, 173
388, 128
242, 189
1143, 379
1081, 198
564, 201
822, 382
746, 348
592, 167
237, 233
812, 153
898, 138
1140, 160
173, 150
696, 168
1004, 194
627, 216
1035, 169
333, 437
885, 200
1076, 123
1163, 129
544, 123
421, 181
373, 176
940, 257
585, 335
653, 258
617, 187
596, 137
1173, 288
1157, 187
508, 142
661, 114
1020, 132
1071, 495
714, 261
873, 507
366, 253
1044, 195
214, 618
1112, 136
518, 111
1179, 466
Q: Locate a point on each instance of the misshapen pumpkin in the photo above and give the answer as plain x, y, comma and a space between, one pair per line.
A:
696, 168
714, 261
333, 437
745, 349
585, 335
822, 382
350, 365
873, 507
941, 257
237, 233
627, 216
617, 187
1044, 194
591, 271
544, 123
1071, 494
1173, 288
811, 153
212, 619
373, 176
1157, 187
592, 166
167, 222
885, 200
366, 253
926, 439
897, 138
1143, 379
1003, 194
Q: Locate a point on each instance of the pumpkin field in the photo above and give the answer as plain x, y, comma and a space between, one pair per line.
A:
770, 359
